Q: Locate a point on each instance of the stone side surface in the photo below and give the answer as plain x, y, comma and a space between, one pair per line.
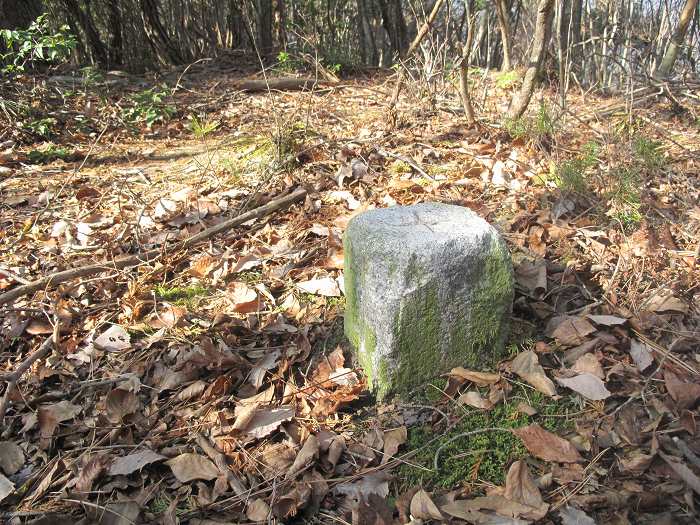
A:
428, 287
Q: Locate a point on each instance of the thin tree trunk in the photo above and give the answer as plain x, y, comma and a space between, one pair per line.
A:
464, 72
264, 26
116, 56
676, 42
84, 19
502, 12
158, 38
543, 26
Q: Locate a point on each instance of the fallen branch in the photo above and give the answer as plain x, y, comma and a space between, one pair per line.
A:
143, 257
25, 365
279, 84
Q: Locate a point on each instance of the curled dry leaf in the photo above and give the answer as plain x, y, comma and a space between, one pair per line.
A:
607, 320
243, 298
478, 378
375, 483
522, 489
393, 439
527, 366
120, 403
202, 266
546, 445
588, 385
532, 275
572, 516
187, 467
306, 457
474, 399
423, 508
257, 510
11, 457
126, 465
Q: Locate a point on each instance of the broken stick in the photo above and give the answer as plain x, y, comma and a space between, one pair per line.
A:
139, 258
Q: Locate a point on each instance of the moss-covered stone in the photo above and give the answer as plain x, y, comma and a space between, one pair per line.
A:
419, 305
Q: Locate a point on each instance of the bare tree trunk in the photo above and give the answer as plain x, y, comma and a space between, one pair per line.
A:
464, 71
395, 25
502, 12
543, 27
158, 37
676, 42
116, 56
84, 19
264, 26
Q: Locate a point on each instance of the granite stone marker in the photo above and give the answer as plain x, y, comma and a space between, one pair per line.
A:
428, 287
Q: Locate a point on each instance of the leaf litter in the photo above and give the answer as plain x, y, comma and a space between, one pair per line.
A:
209, 383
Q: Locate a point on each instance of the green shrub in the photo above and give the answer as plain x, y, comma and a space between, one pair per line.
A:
539, 128
41, 127
571, 174
149, 106
648, 152
37, 43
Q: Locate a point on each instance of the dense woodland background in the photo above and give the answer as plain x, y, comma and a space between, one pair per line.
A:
602, 43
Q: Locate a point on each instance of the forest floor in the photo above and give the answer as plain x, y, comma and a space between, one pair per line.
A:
212, 384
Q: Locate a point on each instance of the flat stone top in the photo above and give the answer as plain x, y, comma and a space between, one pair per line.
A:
420, 224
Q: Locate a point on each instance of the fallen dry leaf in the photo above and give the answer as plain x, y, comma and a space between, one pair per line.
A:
257, 510
167, 316
687, 475
423, 508
121, 403
607, 320
375, 483
126, 465
588, 385
527, 366
91, 472
572, 516
474, 399
683, 393
641, 355
114, 339
6, 487
326, 286
478, 378
288, 504
572, 331
49, 417
188, 466
393, 439
522, 489
546, 445
306, 457
11, 457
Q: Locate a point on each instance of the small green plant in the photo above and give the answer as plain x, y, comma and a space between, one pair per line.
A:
41, 127
571, 174
37, 43
201, 127
625, 196
507, 79
648, 152
538, 129
286, 63
149, 106
46, 155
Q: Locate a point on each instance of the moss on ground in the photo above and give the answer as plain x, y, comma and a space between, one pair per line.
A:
479, 457
180, 295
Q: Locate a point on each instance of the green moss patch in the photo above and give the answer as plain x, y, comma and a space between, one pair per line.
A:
484, 456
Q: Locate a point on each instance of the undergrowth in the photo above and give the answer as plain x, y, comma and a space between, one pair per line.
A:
484, 456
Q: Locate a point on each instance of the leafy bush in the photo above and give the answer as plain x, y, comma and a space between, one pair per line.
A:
149, 107
41, 127
37, 43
